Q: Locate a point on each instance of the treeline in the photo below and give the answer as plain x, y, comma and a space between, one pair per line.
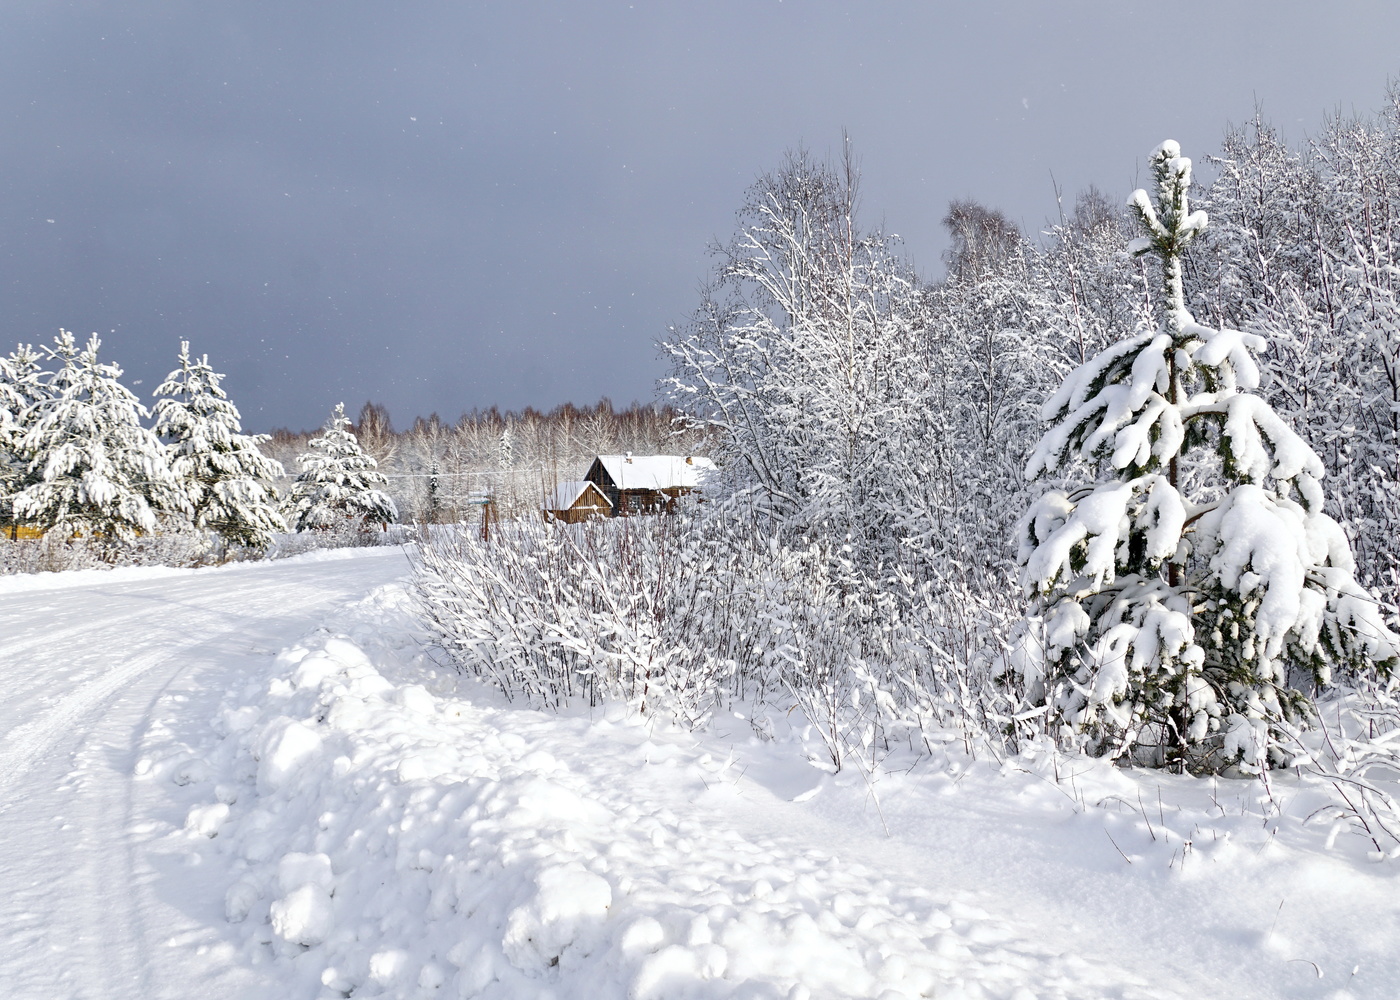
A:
893, 416
89, 474
433, 468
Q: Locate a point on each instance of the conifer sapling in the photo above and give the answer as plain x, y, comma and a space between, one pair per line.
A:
338, 481
226, 480
1186, 600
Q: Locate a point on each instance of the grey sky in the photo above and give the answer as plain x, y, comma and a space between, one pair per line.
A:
444, 205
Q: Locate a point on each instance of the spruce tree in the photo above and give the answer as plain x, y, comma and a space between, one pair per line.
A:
21, 386
88, 466
227, 481
10, 410
1188, 598
337, 482
11, 403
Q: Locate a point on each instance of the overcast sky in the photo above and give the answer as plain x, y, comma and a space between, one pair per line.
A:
448, 205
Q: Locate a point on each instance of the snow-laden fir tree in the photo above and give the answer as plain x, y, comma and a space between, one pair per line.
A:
338, 482
21, 386
227, 481
89, 467
12, 404
1188, 598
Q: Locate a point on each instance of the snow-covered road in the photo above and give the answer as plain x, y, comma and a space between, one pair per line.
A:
97, 668
248, 783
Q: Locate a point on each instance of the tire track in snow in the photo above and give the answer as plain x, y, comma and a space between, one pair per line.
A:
111, 917
86, 904
213, 596
31, 742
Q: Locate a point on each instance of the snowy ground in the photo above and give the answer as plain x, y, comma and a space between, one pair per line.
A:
249, 782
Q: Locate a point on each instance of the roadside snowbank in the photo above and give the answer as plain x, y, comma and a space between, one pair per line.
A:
386, 836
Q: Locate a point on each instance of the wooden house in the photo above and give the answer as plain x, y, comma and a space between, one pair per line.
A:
575, 502
646, 484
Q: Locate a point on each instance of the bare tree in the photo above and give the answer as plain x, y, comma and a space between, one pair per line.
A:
982, 237
375, 432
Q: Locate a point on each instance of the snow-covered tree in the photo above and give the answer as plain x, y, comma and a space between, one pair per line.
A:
338, 481
1188, 598
21, 386
1305, 248
227, 481
808, 359
89, 466
11, 402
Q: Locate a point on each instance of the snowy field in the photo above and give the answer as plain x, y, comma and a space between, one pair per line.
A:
252, 782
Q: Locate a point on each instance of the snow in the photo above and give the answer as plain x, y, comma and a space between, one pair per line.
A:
520, 856
1249, 423
565, 495
264, 788
1262, 552
303, 916
655, 472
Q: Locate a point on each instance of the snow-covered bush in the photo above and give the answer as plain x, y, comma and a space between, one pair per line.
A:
1356, 754
1187, 599
57, 553
600, 611
348, 534
678, 616
338, 482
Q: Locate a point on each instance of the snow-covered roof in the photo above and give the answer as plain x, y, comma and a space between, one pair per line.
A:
655, 472
565, 495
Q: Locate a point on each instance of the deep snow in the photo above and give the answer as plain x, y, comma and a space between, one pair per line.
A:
252, 782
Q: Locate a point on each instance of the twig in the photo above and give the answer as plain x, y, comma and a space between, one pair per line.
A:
1312, 963
1270, 935
1143, 809
1116, 847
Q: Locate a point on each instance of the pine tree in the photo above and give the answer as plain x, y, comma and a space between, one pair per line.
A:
11, 402
11, 407
89, 467
337, 481
20, 388
226, 479
1187, 599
